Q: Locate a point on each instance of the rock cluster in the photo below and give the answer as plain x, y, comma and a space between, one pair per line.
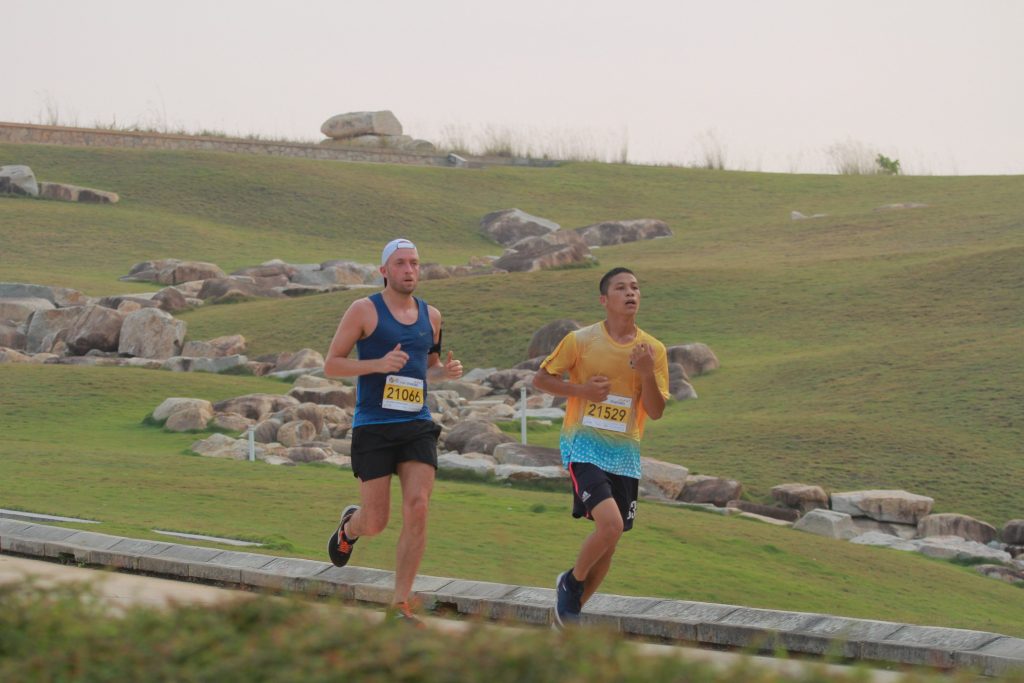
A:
20, 180
371, 129
534, 243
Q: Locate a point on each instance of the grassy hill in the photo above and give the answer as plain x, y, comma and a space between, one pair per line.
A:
868, 348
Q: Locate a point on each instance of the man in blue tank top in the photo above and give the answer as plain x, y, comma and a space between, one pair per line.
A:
398, 340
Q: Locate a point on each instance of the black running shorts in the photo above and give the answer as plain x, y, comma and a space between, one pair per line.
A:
592, 485
378, 448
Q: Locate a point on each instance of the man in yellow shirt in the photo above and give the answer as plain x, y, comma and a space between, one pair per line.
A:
617, 378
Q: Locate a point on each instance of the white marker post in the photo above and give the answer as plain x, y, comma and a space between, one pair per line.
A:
252, 443
522, 419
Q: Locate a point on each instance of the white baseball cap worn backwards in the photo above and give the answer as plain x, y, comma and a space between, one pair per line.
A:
393, 246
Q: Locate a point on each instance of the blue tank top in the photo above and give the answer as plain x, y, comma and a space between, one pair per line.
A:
416, 340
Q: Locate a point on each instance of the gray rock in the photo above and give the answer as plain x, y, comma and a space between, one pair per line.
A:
956, 548
865, 525
802, 497
668, 478
553, 250
353, 124
827, 523
21, 309
619, 232
61, 297
17, 179
697, 359
952, 524
12, 336
1013, 532
508, 226
678, 385
547, 338
75, 193
478, 463
883, 505
96, 328
513, 453
718, 491
151, 333
882, 540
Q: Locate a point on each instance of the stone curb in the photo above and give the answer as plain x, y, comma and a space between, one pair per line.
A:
759, 630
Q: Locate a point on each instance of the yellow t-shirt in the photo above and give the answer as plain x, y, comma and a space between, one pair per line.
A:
605, 434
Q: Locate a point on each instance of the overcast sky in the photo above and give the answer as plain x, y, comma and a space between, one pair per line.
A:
770, 85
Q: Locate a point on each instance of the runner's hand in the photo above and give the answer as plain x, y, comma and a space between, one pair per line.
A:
394, 361
452, 368
596, 388
641, 359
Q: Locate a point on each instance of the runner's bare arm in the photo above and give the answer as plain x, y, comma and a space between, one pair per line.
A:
595, 389
642, 360
436, 370
358, 321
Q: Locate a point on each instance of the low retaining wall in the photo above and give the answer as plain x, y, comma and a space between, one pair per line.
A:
27, 133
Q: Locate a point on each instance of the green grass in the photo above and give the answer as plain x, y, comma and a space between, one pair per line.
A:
75, 444
865, 349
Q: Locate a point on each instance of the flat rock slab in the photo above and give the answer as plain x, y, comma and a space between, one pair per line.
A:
469, 597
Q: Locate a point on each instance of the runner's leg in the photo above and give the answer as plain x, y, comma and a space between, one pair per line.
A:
596, 575
417, 479
374, 508
600, 544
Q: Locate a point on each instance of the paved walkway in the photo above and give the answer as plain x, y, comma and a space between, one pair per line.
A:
676, 620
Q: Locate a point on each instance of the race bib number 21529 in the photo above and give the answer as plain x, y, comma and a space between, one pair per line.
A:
611, 415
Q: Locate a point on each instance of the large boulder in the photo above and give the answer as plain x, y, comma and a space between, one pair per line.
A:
553, 250
883, 505
953, 524
188, 271
215, 365
301, 359
353, 124
96, 328
478, 463
697, 359
667, 478
355, 273
678, 383
827, 523
74, 193
508, 226
544, 340
17, 179
47, 328
189, 418
12, 356
151, 333
171, 405
701, 488
461, 434
255, 406
802, 497
618, 232
486, 442
12, 336
956, 548
228, 289
60, 297
272, 268
296, 433
171, 300
1012, 532
229, 345
337, 395
514, 453
21, 309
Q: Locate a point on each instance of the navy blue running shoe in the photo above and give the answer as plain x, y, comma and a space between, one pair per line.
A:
569, 591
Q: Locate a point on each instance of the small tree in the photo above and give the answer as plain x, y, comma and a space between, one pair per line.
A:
887, 166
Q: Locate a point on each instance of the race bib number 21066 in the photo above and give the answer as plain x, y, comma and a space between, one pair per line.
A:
403, 393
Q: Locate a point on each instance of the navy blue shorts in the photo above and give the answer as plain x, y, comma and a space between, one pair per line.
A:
592, 485
378, 448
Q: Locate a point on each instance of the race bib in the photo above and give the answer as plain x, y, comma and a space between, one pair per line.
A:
612, 415
403, 393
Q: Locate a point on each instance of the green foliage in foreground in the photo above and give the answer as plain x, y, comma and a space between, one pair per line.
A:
67, 634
